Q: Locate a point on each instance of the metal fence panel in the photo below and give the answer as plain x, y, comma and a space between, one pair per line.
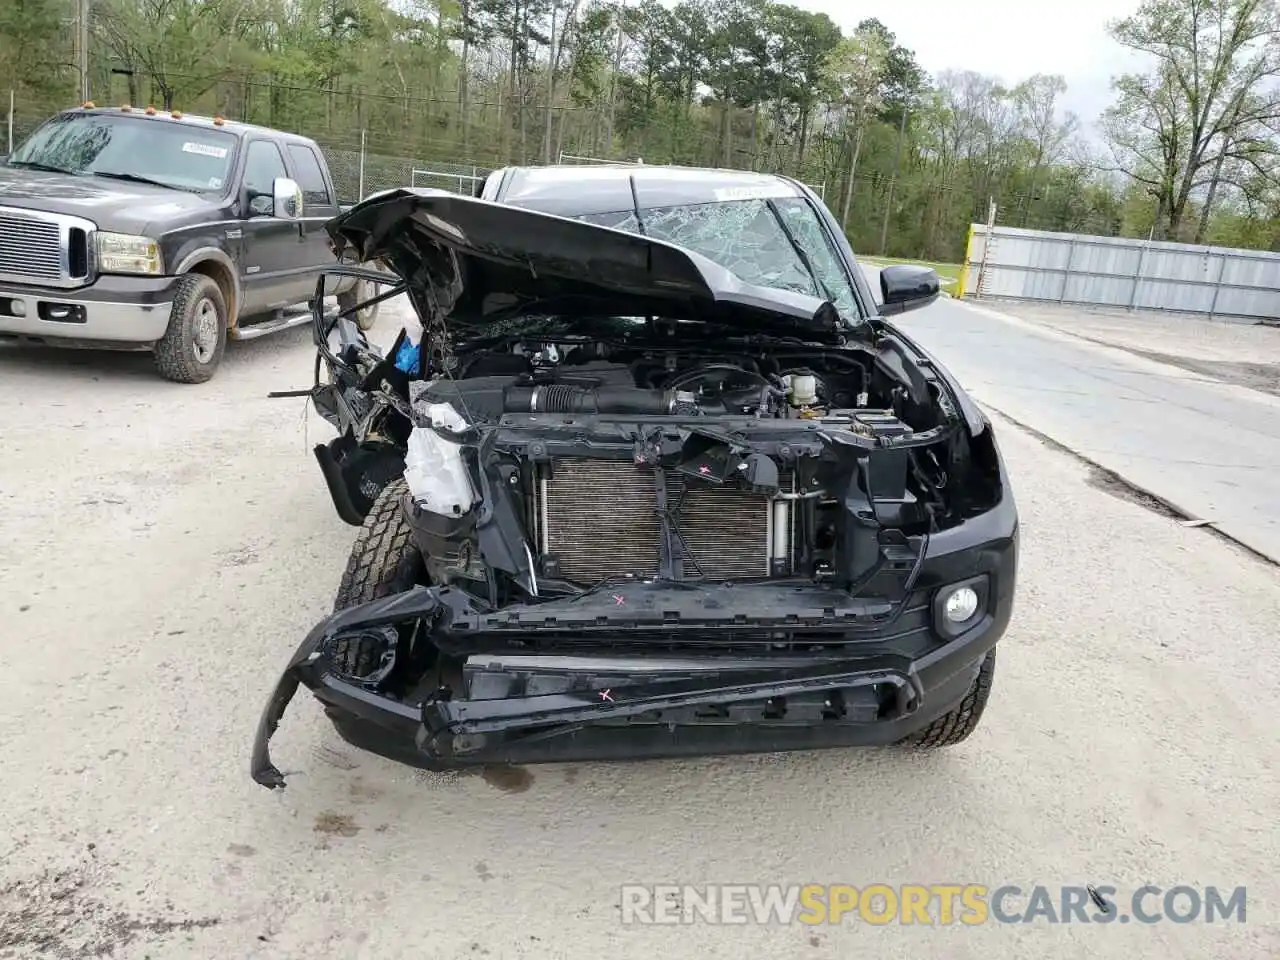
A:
381, 172
465, 183
1022, 264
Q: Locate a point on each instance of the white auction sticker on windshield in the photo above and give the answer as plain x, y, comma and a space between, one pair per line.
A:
205, 150
764, 191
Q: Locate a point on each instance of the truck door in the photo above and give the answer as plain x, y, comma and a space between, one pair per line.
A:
270, 245
319, 205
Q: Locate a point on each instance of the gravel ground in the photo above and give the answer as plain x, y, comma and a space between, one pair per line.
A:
1244, 353
163, 548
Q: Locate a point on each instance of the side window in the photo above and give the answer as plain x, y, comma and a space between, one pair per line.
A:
310, 175
262, 165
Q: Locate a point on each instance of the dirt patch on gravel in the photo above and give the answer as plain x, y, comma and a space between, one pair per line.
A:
58, 913
1105, 480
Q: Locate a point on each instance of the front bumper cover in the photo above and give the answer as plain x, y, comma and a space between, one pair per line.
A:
118, 311
669, 708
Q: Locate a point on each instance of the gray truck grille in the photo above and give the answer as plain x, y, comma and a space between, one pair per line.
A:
43, 248
599, 519
29, 248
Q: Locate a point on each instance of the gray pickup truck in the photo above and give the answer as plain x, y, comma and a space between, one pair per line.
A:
140, 229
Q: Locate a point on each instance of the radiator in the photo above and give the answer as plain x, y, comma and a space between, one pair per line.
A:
599, 519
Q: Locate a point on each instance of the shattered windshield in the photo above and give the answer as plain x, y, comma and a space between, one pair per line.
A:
745, 237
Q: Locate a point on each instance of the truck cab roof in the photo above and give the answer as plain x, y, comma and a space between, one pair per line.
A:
177, 117
570, 190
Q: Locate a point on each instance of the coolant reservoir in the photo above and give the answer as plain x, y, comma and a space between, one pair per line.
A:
433, 467
804, 390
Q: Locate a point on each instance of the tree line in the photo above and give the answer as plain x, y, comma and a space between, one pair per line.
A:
906, 160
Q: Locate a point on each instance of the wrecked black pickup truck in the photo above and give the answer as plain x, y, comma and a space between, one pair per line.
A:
644, 507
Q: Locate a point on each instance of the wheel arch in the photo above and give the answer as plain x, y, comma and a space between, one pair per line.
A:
218, 267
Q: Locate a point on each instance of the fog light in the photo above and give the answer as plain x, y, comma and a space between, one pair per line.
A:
961, 604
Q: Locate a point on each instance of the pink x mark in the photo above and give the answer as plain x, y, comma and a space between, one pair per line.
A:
604, 695
619, 600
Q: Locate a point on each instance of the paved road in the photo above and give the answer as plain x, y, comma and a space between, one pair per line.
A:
163, 548
1210, 448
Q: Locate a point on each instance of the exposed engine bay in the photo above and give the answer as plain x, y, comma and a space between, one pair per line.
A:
542, 468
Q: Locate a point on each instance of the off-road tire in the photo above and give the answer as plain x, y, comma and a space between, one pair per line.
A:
383, 561
955, 726
176, 353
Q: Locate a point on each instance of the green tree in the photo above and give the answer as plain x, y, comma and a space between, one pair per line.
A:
1208, 100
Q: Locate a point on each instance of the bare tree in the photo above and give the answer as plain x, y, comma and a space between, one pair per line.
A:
856, 69
1047, 133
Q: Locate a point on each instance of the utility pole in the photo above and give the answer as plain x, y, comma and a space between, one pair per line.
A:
613, 80
893, 182
551, 88
82, 43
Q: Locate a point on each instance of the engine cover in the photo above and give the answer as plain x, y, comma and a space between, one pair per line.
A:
600, 519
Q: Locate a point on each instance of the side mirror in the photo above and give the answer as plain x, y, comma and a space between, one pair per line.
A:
286, 198
906, 287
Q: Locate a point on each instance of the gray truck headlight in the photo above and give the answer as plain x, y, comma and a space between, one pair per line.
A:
125, 253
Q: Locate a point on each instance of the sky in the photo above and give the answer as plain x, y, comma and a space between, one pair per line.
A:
1011, 39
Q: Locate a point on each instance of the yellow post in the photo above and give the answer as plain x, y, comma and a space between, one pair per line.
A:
964, 270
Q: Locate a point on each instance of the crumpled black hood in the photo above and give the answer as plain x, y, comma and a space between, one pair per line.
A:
484, 261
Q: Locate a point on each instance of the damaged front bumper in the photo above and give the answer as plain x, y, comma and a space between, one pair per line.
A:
528, 707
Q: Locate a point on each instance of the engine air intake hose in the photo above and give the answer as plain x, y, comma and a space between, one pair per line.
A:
571, 398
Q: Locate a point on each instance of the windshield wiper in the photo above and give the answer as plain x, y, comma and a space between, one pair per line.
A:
808, 264
134, 178
47, 167
818, 282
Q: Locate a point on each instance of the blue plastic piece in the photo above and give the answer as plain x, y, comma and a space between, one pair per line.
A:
407, 357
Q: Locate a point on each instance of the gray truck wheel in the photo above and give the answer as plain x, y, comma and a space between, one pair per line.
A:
366, 318
191, 348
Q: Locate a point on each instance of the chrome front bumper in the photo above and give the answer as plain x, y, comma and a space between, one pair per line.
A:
123, 311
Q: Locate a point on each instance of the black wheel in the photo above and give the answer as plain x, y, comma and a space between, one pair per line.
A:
192, 346
383, 561
953, 727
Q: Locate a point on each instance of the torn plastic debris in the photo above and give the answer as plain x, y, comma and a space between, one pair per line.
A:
433, 467
408, 355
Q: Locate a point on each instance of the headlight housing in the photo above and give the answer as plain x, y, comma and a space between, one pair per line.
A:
125, 253
960, 606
